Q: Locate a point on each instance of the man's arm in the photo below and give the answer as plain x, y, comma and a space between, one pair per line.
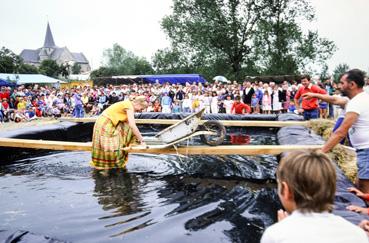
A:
341, 132
247, 108
328, 98
233, 109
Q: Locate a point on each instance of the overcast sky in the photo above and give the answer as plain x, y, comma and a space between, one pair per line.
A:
90, 26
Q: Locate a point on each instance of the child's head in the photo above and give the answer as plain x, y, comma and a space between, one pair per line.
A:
237, 98
254, 95
306, 181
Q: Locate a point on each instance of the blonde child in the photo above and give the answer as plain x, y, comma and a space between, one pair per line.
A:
306, 188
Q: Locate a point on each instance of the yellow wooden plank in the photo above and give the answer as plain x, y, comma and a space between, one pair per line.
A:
224, 149
235, 123
44, 144
201, 150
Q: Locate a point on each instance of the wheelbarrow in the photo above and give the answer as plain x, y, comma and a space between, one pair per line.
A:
210, 132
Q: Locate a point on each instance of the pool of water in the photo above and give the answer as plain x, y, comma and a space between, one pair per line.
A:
159, 198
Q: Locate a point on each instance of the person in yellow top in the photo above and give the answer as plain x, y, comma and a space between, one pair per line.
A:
21, 106
115, 129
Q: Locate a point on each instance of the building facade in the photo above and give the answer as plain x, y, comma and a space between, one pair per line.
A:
61, 55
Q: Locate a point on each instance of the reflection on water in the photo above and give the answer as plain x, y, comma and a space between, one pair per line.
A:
240, 139
160, 198
189, 204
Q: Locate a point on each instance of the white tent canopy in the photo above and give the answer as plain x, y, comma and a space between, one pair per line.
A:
30, 78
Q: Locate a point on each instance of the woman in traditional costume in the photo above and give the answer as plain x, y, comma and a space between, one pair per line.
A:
115, 129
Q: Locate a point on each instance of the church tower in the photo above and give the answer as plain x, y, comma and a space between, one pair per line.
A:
49, 51
49, 45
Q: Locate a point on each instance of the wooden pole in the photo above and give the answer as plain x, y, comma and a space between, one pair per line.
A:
158, 149
232, 123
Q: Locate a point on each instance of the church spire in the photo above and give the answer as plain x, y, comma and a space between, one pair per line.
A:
49, 40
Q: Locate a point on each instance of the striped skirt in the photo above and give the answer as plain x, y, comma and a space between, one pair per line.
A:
107, 142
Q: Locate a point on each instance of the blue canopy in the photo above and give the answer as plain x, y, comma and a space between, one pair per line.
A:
174, 78
170, 78
6, 83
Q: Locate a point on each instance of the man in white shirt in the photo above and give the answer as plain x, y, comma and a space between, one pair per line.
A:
356, 123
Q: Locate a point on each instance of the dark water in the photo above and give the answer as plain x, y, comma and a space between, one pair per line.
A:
160, 198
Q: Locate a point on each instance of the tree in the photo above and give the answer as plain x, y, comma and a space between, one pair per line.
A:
102, 72
209, 31
9, 62
171, 61
76, 68
324, 75
49, 68
245, 37
64, 69
282, 46
122, 62
339, 70
28, 69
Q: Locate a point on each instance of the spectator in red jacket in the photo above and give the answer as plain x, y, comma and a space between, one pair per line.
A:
240, 108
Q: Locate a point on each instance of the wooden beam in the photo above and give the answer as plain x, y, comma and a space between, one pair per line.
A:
44, 144
158, 149
225, 149
231, 123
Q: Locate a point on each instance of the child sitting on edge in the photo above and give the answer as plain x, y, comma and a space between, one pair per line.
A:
306, 187
291, 107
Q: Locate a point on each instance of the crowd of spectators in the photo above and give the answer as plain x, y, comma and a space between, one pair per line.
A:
25, 103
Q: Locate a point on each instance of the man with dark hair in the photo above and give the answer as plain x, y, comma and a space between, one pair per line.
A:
356, 123
247, 93
240, 108
309, 107
113, 98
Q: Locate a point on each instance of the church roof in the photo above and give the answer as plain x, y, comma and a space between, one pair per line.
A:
30, 55
79, 57
56, 53
49, 40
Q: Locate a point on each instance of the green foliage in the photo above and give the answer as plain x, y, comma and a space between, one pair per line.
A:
339, 70
9, 62
64, 70
28, 69
118, 61
171, 61
324, 75
281, 44
236, 38
76, 68
211, 32
49, 68
102, 72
